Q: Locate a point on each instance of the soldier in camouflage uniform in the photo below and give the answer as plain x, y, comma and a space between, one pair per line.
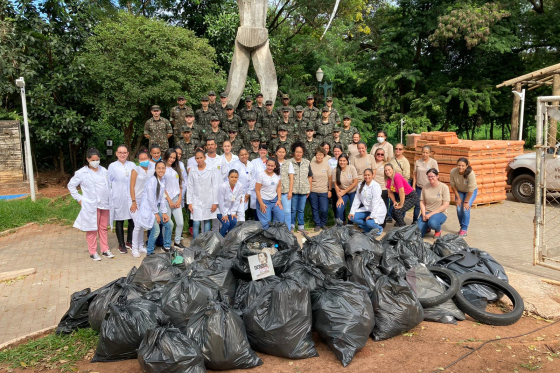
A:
310, 143
300, 123
212, 104
347, 130
286, 104
189, 122
177, 117
335, 139
323, 126
254, 148
259, 105
236, 142
203, 114
187, 144
288, 122
248, 110
311, 113
251, 129
221, 107
231, 120
334, 117
282, 139
158, 130
269, 121
215, 133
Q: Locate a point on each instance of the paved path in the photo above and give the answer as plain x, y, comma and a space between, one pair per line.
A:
59, 254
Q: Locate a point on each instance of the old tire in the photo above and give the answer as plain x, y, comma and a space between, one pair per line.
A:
523, 188
481, 315
448, 293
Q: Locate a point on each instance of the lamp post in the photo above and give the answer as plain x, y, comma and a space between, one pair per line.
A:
325, 86
522, 98
28, 161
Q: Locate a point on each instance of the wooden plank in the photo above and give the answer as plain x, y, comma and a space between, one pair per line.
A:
533, 74
5, 276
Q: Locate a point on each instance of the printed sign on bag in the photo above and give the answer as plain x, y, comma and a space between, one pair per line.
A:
261, 266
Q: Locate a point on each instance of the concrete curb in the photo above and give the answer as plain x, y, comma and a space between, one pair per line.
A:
13, 230
25, 338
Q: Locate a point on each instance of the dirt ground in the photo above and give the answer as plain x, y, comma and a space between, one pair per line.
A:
427, 348
49, 184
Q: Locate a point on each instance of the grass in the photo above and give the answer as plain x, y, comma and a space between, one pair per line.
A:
17, 213
60, 352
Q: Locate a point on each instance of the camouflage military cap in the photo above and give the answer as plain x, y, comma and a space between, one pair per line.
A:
299, 108
204, 98
310, 97
268, 102
336, 129
248, 98
231, 129
186, 129
285, 97
285, 109
329, 99
189, 113
346, 117
251, 116
259, 94
325, 108
282, 128
155, 107
223, 95
229, 107
214, 118
180, 98
310, 127
211, 93
255, 137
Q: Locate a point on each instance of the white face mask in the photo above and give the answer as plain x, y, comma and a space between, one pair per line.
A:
94, 164
380, 140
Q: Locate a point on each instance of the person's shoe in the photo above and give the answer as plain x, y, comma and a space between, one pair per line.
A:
463, 233
429, 230
108, 254
317, 228
122, 249
166, 249
324, 227
414, 222
180, 246
190, 231
389, 220
95, 257
143, 250
437, 234
135, 253
128, 245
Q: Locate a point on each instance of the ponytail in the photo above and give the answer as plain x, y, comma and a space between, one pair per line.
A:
158, 187
364, 182
469, 168
339, 169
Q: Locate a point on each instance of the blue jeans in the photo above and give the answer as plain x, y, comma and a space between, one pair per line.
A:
298, 206
434, 222
287, 206
228, 226
417, 211
463, 215
366, 225
319, 207
178, 215
271, 211
206, 226
348, 199
154, 233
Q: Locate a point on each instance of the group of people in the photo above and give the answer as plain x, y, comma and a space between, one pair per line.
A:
218, 180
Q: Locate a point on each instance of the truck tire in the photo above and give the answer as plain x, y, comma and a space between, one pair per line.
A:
523, 188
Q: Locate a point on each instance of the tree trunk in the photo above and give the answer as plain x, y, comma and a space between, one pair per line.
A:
473, 131
61, 161
515, 113
128, 130
492, 130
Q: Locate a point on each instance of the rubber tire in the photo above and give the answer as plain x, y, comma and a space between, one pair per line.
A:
448, 293
480, 314
515, 186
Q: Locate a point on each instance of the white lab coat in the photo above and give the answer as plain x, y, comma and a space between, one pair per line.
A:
87, 218
149, 204
225, 165
258, 167
231, 202
141, 178
370, 198
119, 181
246, 178
202, 192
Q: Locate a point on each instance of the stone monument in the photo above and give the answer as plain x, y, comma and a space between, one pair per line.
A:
252, 43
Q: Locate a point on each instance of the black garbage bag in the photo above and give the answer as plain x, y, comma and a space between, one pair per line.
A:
124, 327
224, 280
77, 315
166, 349
426, 285
304, 273
364, 268
449, 244
398, 259
340, 232
222, 263
248, 291
211, 242
235, 237
109, 294
156, 269
357, 243
195, 254
396, 308
221, 336
155, 294
279, 321
475, 260
277, 237
343, 316
410, 233
424, 253
325, 252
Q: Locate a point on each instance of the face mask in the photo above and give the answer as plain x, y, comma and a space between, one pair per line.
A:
380, 139
145, 163
156, 160
94, 164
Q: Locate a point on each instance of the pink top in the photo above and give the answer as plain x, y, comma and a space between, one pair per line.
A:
400, 182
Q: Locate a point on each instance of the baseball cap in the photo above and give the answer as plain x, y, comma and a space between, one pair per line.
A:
268, 102
299, 108
282, 128
310, 127
310, 97
155, 107
186, 129
223, 95
204, 98
180, 98
248, 98
229, 106
255, 137
336, 129
189, 113
325, 108
214, 118
259, 94
211, 93
346, 117
329, 99
285, 96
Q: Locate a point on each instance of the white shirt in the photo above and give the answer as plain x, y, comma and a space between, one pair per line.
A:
202, 192
95, 195
231, 202
151, 203
225, 165
172, 186
141, 178
332, 162
269, 185
191, 163
119, 180
214, 163
370, 198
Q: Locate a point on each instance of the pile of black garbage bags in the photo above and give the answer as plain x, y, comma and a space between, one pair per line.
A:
185, 312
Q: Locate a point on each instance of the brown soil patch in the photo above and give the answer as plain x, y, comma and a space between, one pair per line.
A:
424, 349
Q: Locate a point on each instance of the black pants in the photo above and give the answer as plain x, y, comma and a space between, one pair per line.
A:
119, 227
409, 202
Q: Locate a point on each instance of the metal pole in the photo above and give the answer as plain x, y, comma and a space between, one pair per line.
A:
538, 190
520, 129
29, 162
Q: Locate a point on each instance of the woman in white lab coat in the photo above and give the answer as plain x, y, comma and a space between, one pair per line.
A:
138, 177
119, 180
174, 192
231, 201
259, 166
202, 193
246, 171
153, 209
227, 159
96, 204
368, 209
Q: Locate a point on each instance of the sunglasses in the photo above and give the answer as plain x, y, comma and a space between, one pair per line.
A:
399, 149
379, 154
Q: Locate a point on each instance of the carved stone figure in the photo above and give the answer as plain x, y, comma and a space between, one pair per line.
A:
252, 43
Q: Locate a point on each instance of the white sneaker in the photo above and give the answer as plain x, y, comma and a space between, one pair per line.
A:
143, 250
95, 257
135, 253
108, 254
